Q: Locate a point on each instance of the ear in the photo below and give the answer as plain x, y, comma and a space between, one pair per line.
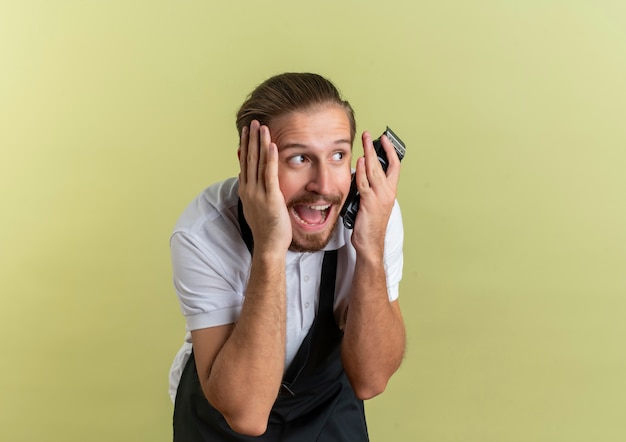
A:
239, 154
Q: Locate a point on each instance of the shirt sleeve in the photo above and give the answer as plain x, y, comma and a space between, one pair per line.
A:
394, 258
209, 292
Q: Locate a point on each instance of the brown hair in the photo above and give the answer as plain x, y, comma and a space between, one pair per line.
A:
290, 92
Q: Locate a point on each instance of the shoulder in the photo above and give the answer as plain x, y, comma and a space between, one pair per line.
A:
215, 203
209, 225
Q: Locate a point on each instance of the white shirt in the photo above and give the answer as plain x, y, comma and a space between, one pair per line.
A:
211, 265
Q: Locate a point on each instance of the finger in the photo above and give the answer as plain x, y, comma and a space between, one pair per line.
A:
264, 142
271, 170
243, 154
372, 165
252, 157
360, 175
368, 145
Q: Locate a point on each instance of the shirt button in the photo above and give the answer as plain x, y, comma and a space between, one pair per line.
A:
306, 278
306, 305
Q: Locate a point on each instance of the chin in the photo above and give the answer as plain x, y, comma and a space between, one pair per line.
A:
311, 242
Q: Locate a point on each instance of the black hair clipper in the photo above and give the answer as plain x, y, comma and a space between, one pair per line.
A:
351, 206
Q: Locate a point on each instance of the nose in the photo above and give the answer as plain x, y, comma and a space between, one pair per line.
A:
320, 180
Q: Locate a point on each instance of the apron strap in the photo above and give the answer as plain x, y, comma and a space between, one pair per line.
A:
246, 233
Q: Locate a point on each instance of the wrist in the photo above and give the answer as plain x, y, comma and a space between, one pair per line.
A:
371, 260
269, 257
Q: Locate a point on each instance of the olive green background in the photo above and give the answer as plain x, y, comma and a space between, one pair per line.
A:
114, 114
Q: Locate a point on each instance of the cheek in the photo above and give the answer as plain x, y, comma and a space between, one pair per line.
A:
345, 182
289, 184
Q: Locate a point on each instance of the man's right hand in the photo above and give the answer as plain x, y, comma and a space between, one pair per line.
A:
263, 202
240, 366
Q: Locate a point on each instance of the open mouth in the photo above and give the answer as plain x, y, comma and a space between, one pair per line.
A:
312, 216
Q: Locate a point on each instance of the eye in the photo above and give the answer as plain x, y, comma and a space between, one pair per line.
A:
338, 156
296, 159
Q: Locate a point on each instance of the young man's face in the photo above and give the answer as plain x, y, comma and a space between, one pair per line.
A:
314, 172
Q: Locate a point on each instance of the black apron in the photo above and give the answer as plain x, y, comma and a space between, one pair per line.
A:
315, 402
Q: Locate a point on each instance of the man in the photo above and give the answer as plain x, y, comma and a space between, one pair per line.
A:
293, 318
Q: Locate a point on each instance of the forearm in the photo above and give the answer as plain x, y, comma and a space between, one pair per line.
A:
246, 375
374, 335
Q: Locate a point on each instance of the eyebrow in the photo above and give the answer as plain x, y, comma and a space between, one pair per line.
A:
304, 146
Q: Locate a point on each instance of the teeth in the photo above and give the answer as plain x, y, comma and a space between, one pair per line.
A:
298, 218
320, 208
